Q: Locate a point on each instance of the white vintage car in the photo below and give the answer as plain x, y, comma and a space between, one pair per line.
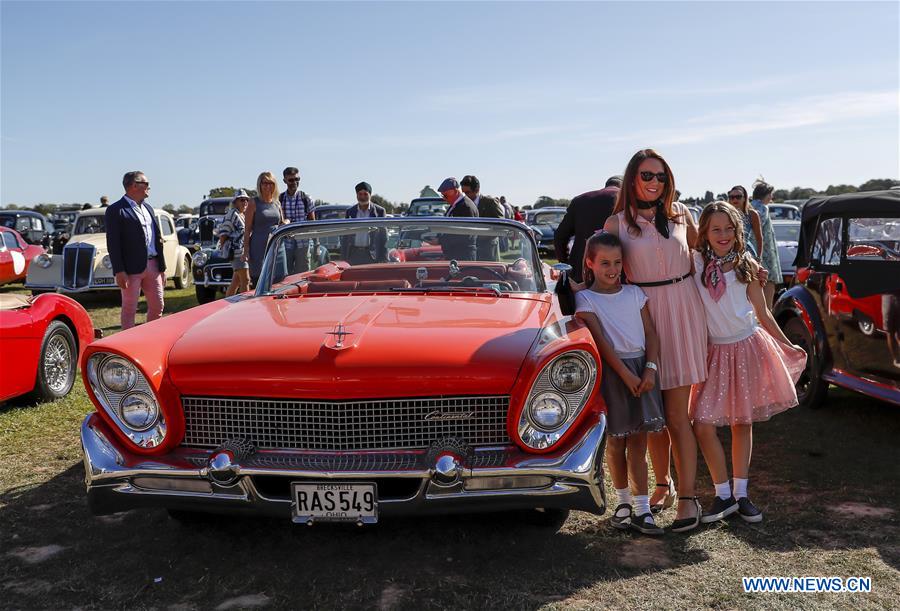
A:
84, 264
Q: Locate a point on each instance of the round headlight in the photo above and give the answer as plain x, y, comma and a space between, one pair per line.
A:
117, 374
138, 411
106, 262
43, 260
548, 411
200, 259
569, 374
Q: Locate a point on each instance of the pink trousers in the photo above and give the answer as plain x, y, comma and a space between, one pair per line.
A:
153, 282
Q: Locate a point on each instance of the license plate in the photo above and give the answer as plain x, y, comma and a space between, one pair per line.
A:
335, 502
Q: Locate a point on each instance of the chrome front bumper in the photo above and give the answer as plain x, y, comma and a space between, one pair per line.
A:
490, 479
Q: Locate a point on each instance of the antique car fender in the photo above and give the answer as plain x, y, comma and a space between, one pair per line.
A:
562, 334
797, 302
23, 332
147, 348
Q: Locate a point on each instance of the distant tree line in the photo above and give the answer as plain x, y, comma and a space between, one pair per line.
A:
544, 201
801, 193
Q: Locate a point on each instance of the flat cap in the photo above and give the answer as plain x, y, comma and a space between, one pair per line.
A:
364, 186
449, 183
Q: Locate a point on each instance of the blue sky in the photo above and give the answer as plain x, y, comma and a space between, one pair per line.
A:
536, 98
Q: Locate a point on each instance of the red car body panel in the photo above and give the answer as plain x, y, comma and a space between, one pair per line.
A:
23, 329
14, 262
499, 345
841, 304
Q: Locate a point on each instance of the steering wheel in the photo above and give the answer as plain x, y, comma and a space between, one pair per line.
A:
490, 270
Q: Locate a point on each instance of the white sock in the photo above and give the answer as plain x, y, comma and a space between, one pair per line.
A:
723, 490
624, 495
740, 487
641, 504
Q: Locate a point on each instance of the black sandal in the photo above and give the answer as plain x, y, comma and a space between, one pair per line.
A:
686, 524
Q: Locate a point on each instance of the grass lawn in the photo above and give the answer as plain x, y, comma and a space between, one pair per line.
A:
823, 479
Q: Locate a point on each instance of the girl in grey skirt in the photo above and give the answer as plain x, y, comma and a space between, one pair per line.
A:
620, 323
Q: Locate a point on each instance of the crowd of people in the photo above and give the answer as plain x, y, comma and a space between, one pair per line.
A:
679, 310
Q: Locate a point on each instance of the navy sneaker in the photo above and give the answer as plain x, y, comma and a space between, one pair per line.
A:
748, 511
621, 517
719, 510
644, 524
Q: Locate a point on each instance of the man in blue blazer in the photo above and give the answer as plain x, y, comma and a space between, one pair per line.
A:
365, 246
135, 246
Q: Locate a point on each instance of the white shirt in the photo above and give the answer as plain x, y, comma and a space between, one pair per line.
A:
619, 315
146, 224
361, 238
732, 318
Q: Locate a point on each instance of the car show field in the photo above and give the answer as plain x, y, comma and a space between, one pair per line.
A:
828, 513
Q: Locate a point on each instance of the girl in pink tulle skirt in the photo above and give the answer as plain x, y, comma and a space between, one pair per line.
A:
752, 366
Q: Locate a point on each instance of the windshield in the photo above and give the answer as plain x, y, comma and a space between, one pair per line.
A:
435, 208
328, 214
548, 218
397, 255
787, 233
218, 208
94, 223
8, 220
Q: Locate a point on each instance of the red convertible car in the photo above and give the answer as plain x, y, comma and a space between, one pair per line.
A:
42, 339
348, 393
15, 255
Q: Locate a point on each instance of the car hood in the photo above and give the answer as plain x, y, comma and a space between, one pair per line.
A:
359, 346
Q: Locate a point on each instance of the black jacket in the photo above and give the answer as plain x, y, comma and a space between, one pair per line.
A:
586, 214
125, 239
377, 238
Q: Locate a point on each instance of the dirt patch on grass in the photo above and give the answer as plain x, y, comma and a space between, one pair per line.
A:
643, 554
862, 510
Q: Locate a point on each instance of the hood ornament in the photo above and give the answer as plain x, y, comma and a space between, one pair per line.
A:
339, 334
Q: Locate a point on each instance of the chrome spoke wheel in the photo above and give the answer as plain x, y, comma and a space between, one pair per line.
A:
58, 363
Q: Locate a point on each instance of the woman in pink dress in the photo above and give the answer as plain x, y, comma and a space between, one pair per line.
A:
657, 234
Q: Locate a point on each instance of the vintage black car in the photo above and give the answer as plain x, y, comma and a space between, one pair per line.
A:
543, 223
34, 227
844, 307
202, 233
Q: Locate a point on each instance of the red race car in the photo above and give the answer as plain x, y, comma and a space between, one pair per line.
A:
15, 255
42, 340
353, 391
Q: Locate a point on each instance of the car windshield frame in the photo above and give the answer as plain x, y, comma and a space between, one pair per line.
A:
793, 227
476, 227
78, 229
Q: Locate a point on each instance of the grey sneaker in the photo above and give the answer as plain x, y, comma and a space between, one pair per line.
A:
621, 517
748, 511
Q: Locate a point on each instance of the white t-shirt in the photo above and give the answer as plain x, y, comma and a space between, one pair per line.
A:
732, 318
619, 315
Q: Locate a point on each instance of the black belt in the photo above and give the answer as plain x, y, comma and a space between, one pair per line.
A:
360, 247
663, 282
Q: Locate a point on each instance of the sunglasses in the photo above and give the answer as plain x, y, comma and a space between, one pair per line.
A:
289, 180
142, 182
735, 197
660, 176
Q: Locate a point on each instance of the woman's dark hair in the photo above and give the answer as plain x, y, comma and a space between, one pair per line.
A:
761, 189
745, 203
601, 238
627, 200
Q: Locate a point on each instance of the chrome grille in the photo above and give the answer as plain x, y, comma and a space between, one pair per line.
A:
383, 424
78, 265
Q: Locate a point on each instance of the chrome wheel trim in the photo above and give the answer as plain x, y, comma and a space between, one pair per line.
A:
57, 363
185, 273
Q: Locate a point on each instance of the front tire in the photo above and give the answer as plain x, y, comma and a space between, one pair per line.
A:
57, 364
183, 280
204, 294
811, 388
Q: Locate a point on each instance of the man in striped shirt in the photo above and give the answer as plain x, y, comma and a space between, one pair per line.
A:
297, 207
